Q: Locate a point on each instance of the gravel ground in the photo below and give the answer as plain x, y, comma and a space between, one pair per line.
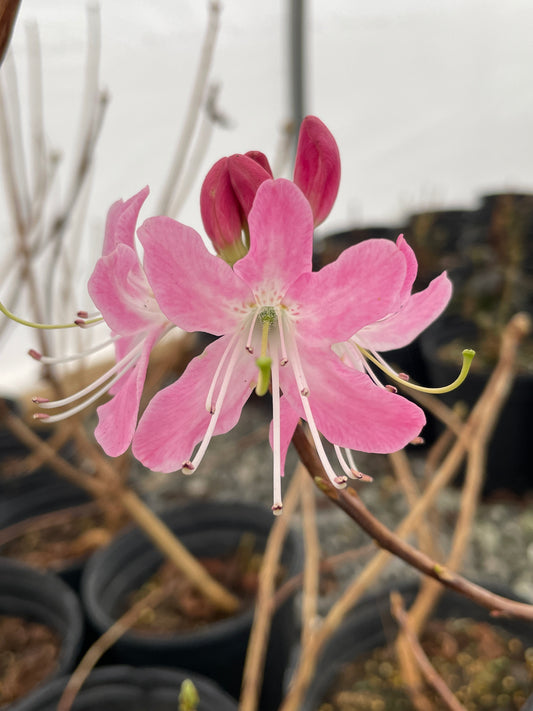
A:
239, 466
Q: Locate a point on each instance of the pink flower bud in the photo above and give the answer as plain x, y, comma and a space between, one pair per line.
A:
317, 168
261, 159
227, 197
246, 175
220, 209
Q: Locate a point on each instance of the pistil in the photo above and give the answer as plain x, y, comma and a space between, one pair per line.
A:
264, 363
403, 379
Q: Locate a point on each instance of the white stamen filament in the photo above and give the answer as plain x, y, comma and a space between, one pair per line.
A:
89, 314
83, 323
351, 460
357, 359
284, 358
82, 405
337, 481
342, 461
218, 406
249, 346
122, 366
294, 358
209, 399
49, 360
276, 430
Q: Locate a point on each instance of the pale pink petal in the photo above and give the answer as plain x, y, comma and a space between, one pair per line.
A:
281, 238
402, 327
117, 419
317, 169
348, 408
121, 222
411, 268
120, 291
195, 290
176, 419
288, 421
123, 346
360, 287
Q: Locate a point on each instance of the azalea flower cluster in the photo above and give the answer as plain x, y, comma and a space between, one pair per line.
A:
310, 338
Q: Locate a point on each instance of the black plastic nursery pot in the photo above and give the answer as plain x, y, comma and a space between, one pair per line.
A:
370, 625
13, 452
44, 497
217, 650
46, 599
123, 688
508, 466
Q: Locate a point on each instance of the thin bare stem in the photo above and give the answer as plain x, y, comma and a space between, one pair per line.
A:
193, 108
17, 161
257, 646
312, 560
8, 15
35, 96
392, 542
429, 672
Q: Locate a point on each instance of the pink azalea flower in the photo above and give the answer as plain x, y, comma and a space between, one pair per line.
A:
400, 327
277, 321
230, 187
120, 290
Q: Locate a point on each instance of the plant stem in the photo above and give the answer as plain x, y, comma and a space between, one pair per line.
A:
349, 501
264, 609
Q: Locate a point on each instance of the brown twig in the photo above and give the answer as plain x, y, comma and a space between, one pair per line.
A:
491, 405
392, 542
312, 559
257, 645
428, 670
409, 669
8, 15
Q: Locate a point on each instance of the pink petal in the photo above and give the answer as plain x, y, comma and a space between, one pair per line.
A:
246, 176
317, 170
121, 221
402, 327
411, 268
117, 419
281, 238
123, 346
120, 291
194, 289
220, 209
362, 286
350, 410
176, 418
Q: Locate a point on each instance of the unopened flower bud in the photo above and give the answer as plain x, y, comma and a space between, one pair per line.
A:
227, 197
221, 212
246, 175
317, 169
